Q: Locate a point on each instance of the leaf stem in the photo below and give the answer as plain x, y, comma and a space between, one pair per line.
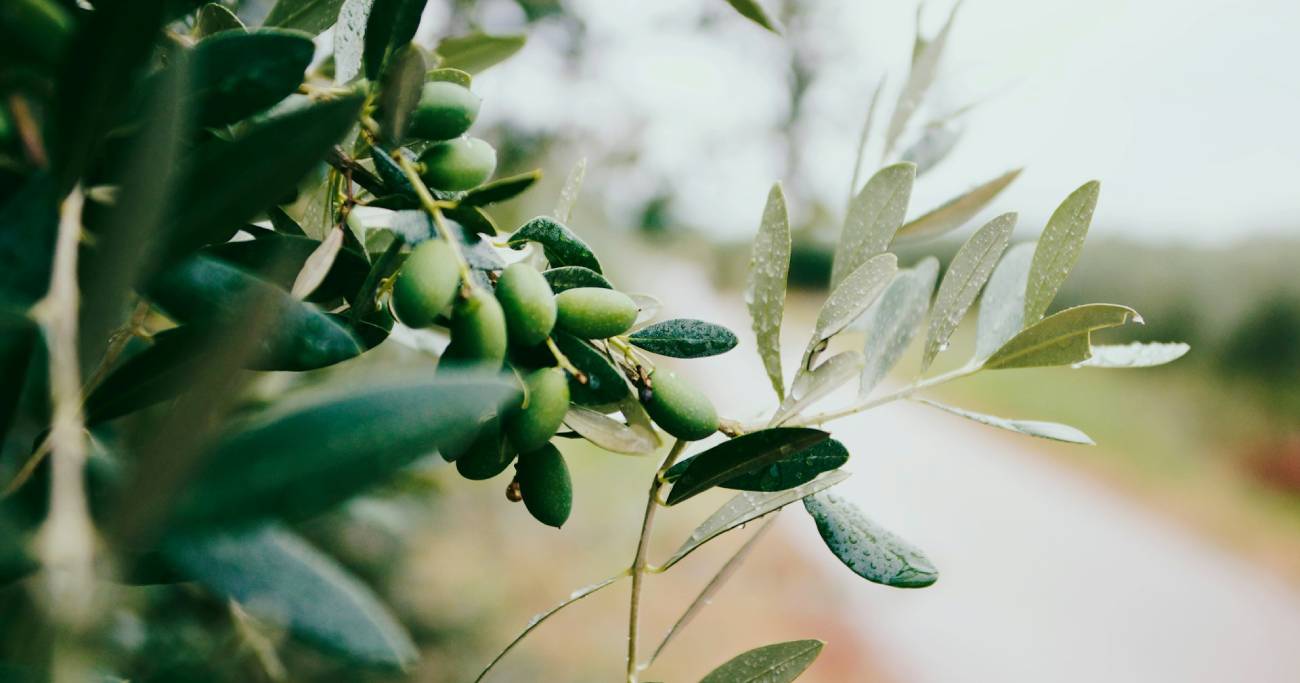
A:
864, 405
564, 361
639, 561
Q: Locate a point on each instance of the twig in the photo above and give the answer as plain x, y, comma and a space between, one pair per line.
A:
639, 561
434, 208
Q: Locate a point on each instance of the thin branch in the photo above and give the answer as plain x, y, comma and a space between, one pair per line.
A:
639, 561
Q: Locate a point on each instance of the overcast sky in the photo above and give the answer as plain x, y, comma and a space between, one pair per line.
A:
1186, 110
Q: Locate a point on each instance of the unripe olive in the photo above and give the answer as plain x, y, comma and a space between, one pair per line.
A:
528, 303
679, 408
547, 397
545, 485
445, 110
488, 456
459, 164
594, 312
426, 283
478, 331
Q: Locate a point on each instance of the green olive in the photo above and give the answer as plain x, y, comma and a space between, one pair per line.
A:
460, 164
528, 303
37, 29
594, 312
426, 283
445, 110
478, 331
679, 408
547, 395
545, 485
488, 456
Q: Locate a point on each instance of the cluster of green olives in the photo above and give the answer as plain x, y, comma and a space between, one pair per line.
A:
508, 326
455, 162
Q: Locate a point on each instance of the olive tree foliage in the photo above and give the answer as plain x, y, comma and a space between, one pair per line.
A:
189, 204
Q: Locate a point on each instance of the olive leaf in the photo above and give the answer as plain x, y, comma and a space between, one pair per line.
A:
814, 385
312, 16
647, 309
390, 25
794, 470
501, 189
238, 74
1134, 355
451, 76
350, 39
213, 18
893, 321
1063, 338
1002, 308
966, 275
400, 92
611, 434
935, 144
476, 52
277, 575
604, 384
739, 456
160, 372
848, 302
317, 265
860, 153
874, 215
749, 506
753, 11
769, 266
925, 66
1042, 430
1059, 248
572, 277
684, 338
312, 454
955, 212
562, 247
28, 220
277, 257
777, 663
863, 546
569, 192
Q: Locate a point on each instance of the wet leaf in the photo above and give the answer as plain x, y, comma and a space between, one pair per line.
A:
818, 383
1042, 430
571, 277
873, 218
753, 11
955, 212
278, 576
869, 550
739, 456
966, 275
925, 66
312, 16
1002, 309
349, 39
893, 321
848, 302
605, 383
778, 663
477, 52
1059, 248
238, 74
684, 338
769, 266
1063, 338
390, 25
562, 247
611, 434
501, 189
1134, 355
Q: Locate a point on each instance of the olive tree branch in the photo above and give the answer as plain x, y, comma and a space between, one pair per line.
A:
434, 209
639, 561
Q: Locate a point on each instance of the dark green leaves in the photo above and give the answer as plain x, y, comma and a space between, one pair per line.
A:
307, 457
239, 74
277, 575
562, 247
400, 92
605, 384
390, 25
753, 11
778, 663
793, 470
478, 51
869, 550
1062, 338
229, 182
214, 18
739, 456
28, 221
1058, 249
501, 189
312, 16
572, 277
685, 338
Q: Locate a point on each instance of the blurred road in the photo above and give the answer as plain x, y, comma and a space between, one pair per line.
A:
1045, 575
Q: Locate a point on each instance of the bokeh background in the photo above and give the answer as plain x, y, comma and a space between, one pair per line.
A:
1168, 552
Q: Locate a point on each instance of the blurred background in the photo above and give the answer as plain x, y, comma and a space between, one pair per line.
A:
1168, 552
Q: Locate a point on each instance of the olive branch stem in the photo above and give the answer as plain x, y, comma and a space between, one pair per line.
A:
434, 209
639, 560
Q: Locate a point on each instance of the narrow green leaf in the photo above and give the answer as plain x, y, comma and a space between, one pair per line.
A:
611, 434
925, 67
778, 663
685, 338
1042, 430
160, 372
238, 74
864, 547
390, 25
571, 277
227, 183
873, 218
955, 212
312, 16
562, 247
966, 275
350, 39
753, 11
1134, 355
813, 385
400, 92
451, 76
1063, 338
214, 18
278, 576
749, 506
278, 257
739, 456
605, 385
848, 302
893, 321
1002, 309
501, 189
769, 266
477, 52
1059, 249
860, 154
318, 265
310, 455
